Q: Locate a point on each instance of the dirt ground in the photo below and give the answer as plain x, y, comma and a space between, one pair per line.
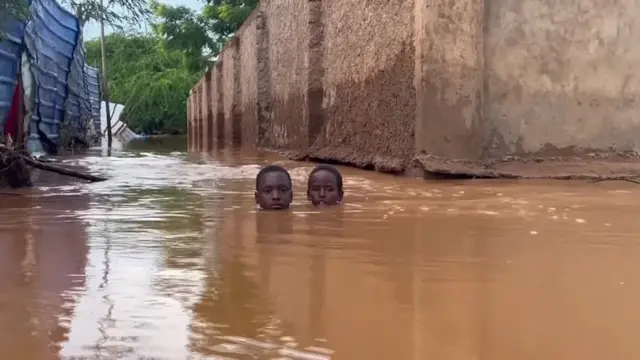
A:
595, 167
618, 166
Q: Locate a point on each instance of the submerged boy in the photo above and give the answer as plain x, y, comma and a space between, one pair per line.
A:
273, 188
325, 186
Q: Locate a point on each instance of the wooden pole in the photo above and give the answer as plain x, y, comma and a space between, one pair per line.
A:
105, 82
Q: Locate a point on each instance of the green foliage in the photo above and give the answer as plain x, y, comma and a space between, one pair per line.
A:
11, 9
183, 30
204, 34
129, 11
150, 80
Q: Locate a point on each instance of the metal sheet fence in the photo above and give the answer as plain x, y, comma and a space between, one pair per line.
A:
65, 97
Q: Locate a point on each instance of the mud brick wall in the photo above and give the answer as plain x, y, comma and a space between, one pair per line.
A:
208, 138
374, 83
290, 79
189, 126
204, 109
287, 23
293, 80
449, 73
196, 119
368, 97
217, 106
231, 92
562, 76
191, 131
248, 80
201, 114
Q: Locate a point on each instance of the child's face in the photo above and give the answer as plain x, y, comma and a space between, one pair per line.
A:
323, 189
274, 191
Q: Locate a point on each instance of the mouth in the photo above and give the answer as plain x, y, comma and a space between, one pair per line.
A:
276, 207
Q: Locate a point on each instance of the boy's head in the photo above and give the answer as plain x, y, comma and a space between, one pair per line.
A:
325, 186
273, 188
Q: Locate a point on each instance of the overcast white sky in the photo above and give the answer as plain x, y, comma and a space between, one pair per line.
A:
92, 30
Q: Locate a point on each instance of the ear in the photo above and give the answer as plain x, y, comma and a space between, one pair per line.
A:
308, 195
255, 195
341, 196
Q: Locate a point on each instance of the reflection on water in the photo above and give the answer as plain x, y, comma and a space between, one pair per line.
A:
170, 260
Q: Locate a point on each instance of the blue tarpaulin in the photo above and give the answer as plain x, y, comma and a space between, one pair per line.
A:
63, 98
10, 52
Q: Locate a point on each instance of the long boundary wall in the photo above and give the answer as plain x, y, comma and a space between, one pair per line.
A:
395, 84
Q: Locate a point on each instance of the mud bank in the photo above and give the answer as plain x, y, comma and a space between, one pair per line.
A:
618, 166
381, 83
614, 167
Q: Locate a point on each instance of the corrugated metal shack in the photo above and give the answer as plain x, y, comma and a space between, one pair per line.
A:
43, 60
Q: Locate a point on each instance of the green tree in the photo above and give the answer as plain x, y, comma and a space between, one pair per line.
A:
151, 80
11, 9
115, 13
204, 34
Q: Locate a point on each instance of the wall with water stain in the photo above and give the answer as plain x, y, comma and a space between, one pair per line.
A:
287, 23
279, 92
248, 74
368, 98
207, 115
230, 91
374, 83
563, 75
448, 78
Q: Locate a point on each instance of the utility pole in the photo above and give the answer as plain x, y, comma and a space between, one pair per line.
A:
105, 82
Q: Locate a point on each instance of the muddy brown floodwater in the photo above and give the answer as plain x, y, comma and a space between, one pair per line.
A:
170, 260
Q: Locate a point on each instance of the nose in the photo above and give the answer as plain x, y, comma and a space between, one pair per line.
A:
275, 195
323, 193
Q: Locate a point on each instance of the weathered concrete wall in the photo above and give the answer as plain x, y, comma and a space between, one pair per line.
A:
448, 78
190, 135
204, 112
248, 73
190, 128
230, 92
369, 100
380, 83
562, 75
218, 106
207, 134
198, 115
288, 25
